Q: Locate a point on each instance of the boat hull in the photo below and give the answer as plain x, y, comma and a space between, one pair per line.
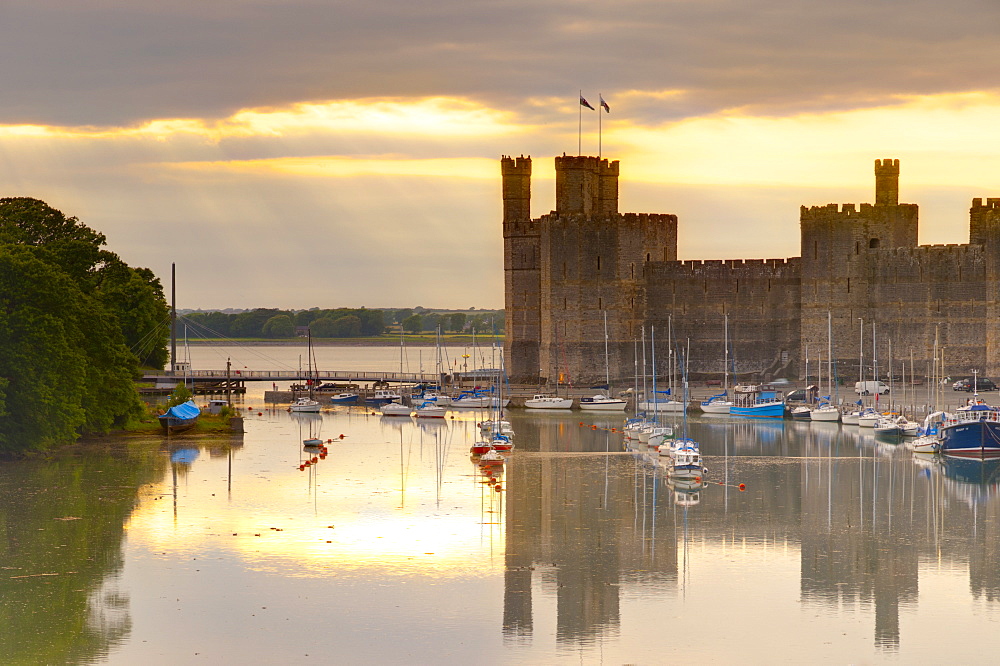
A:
771, 410
549, 403
971, 439
171, 425
718, 407
587, 404
825, 415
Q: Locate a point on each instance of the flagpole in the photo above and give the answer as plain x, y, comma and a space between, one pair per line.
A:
599, 119
579, 131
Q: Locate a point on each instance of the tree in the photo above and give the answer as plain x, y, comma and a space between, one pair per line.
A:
347, 327
69, 313
431, 322
279, 326
456, 322
324, 327
413, 324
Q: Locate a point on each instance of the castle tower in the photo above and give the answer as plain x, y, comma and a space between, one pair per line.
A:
586, 186
521, 271
886, 182
984, 230
516, 188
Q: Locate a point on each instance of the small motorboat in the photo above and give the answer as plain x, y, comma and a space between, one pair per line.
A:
541, 401
395, 409
312, 442
601, 402
490, 458
344, 399
479, 448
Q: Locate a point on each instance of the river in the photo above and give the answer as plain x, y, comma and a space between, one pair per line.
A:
396, 548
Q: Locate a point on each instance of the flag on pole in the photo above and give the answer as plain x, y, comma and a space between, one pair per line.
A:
607, 109
585, 103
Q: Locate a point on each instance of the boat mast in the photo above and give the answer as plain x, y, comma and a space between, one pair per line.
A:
656, 405
607, 371
725, 370
829, 354
173, 318
645, 393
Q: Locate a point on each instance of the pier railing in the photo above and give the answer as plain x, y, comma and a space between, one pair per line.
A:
274, 375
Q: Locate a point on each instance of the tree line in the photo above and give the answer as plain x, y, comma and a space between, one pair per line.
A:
76, 323
335, 323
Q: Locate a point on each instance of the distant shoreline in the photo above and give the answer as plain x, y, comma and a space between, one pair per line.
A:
464, 341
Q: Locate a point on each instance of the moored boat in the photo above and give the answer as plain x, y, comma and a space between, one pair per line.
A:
542, 401
304, 405
601, 402
395, 409
344, 399
429, 409
717, 404
751, 400
180, 418
382, 397
972, 431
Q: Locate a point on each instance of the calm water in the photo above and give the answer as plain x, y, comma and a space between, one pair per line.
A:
397, 549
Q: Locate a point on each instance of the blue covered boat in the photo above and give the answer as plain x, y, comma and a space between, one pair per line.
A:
972, 432
754, 402
180, 418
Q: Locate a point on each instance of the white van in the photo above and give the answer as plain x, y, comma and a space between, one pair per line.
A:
868, 388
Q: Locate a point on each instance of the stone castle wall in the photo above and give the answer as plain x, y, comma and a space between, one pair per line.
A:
861, 264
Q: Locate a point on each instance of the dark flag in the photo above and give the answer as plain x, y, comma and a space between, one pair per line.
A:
585, 103
607, 109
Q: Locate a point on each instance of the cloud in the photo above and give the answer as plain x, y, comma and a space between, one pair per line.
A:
102, 62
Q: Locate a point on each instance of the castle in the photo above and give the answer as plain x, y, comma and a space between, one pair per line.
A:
567, 272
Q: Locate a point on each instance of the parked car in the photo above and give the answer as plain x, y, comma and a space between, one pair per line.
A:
981, 384
870, 387
798, 395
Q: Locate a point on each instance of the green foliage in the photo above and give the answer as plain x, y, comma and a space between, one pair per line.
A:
324, 327
178, 396
413, 324
69, 314
347, 327
456, 322
279, 326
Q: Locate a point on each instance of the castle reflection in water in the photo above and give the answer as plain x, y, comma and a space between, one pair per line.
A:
865, 515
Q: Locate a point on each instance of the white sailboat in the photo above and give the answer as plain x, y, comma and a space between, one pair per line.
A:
720, 404
826, 410
307, 404
601, 401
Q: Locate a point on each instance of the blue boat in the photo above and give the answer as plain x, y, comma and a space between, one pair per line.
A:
972, 432
754, 402
180, 418
345, 399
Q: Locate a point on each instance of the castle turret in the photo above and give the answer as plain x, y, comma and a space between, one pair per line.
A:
586, 186
887, 182
516, 188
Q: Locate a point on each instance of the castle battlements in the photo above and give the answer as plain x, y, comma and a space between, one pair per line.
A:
569, 268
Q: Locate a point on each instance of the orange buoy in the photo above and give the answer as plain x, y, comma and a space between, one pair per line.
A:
697, 479
742, 487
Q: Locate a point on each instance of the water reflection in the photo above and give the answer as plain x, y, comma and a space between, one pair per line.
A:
858, 508
63, 523
578, 549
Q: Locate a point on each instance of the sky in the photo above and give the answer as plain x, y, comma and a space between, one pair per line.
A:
340, 153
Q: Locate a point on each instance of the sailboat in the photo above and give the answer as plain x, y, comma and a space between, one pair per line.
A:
720, 404
827, 411
603, 401
307, 404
